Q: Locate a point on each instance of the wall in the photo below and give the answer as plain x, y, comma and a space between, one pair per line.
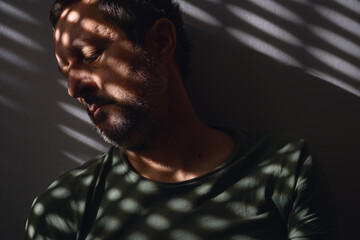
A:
275, 65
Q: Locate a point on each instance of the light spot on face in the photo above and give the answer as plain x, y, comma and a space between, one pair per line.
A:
57, 35
113, 194
96, 27
212, 223
179, 205
121, 68
73, 17
65, 39
38, 209
158, 222
64, 13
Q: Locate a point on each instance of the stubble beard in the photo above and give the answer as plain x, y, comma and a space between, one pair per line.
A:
121, 127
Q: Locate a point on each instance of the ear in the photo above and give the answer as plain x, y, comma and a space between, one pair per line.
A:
161, 39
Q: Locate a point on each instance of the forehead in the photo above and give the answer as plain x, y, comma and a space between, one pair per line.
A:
81, 23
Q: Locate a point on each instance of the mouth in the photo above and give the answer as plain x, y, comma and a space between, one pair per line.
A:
94, 108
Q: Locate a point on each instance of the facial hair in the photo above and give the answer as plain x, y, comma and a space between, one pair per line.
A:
129, 117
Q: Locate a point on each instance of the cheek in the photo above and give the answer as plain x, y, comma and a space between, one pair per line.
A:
120, 68
119, 92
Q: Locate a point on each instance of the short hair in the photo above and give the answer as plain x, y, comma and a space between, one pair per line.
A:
135, 17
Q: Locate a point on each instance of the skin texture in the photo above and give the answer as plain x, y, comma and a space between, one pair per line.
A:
135, 97
116, 82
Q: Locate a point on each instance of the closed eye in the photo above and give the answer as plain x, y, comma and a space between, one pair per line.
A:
93, 57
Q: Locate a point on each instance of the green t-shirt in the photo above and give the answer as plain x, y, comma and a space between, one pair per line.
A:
268, 188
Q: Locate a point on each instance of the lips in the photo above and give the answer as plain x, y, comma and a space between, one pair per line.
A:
94, 103
94, 107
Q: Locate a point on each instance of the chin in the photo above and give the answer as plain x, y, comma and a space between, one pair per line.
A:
118, 129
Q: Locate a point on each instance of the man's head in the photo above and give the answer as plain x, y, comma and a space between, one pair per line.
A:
135, 17
122, 81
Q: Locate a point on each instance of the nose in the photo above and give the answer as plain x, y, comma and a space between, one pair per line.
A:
80, 83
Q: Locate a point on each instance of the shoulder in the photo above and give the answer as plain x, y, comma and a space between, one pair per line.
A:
59, 208
295, 183
272, 148
76, 180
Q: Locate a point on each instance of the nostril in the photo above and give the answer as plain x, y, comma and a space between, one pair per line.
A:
81, 86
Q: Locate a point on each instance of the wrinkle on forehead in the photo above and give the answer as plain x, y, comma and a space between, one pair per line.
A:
83, 17
97, 28
89, 1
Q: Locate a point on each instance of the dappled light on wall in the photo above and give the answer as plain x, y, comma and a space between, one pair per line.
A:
20, 38
9, 103
13, 60
8, 9
17, 60
320, 38
81, 137
199, 14
262, 46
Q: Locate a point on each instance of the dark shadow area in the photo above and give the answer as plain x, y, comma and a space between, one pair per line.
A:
242, 85
35, 127
289, 66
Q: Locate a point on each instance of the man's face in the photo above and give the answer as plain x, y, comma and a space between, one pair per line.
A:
116, 83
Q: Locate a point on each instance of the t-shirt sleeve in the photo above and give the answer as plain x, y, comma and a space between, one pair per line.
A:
313, 215
51, 217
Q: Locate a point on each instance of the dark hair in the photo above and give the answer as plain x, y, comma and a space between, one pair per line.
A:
134, 17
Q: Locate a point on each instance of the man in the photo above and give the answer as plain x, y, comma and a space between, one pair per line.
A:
168, 176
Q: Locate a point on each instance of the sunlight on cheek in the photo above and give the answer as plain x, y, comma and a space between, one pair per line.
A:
120, 68
65, 39
120, 93
114, 87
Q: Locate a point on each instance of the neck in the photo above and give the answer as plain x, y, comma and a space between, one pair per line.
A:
184, 148
188, 153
